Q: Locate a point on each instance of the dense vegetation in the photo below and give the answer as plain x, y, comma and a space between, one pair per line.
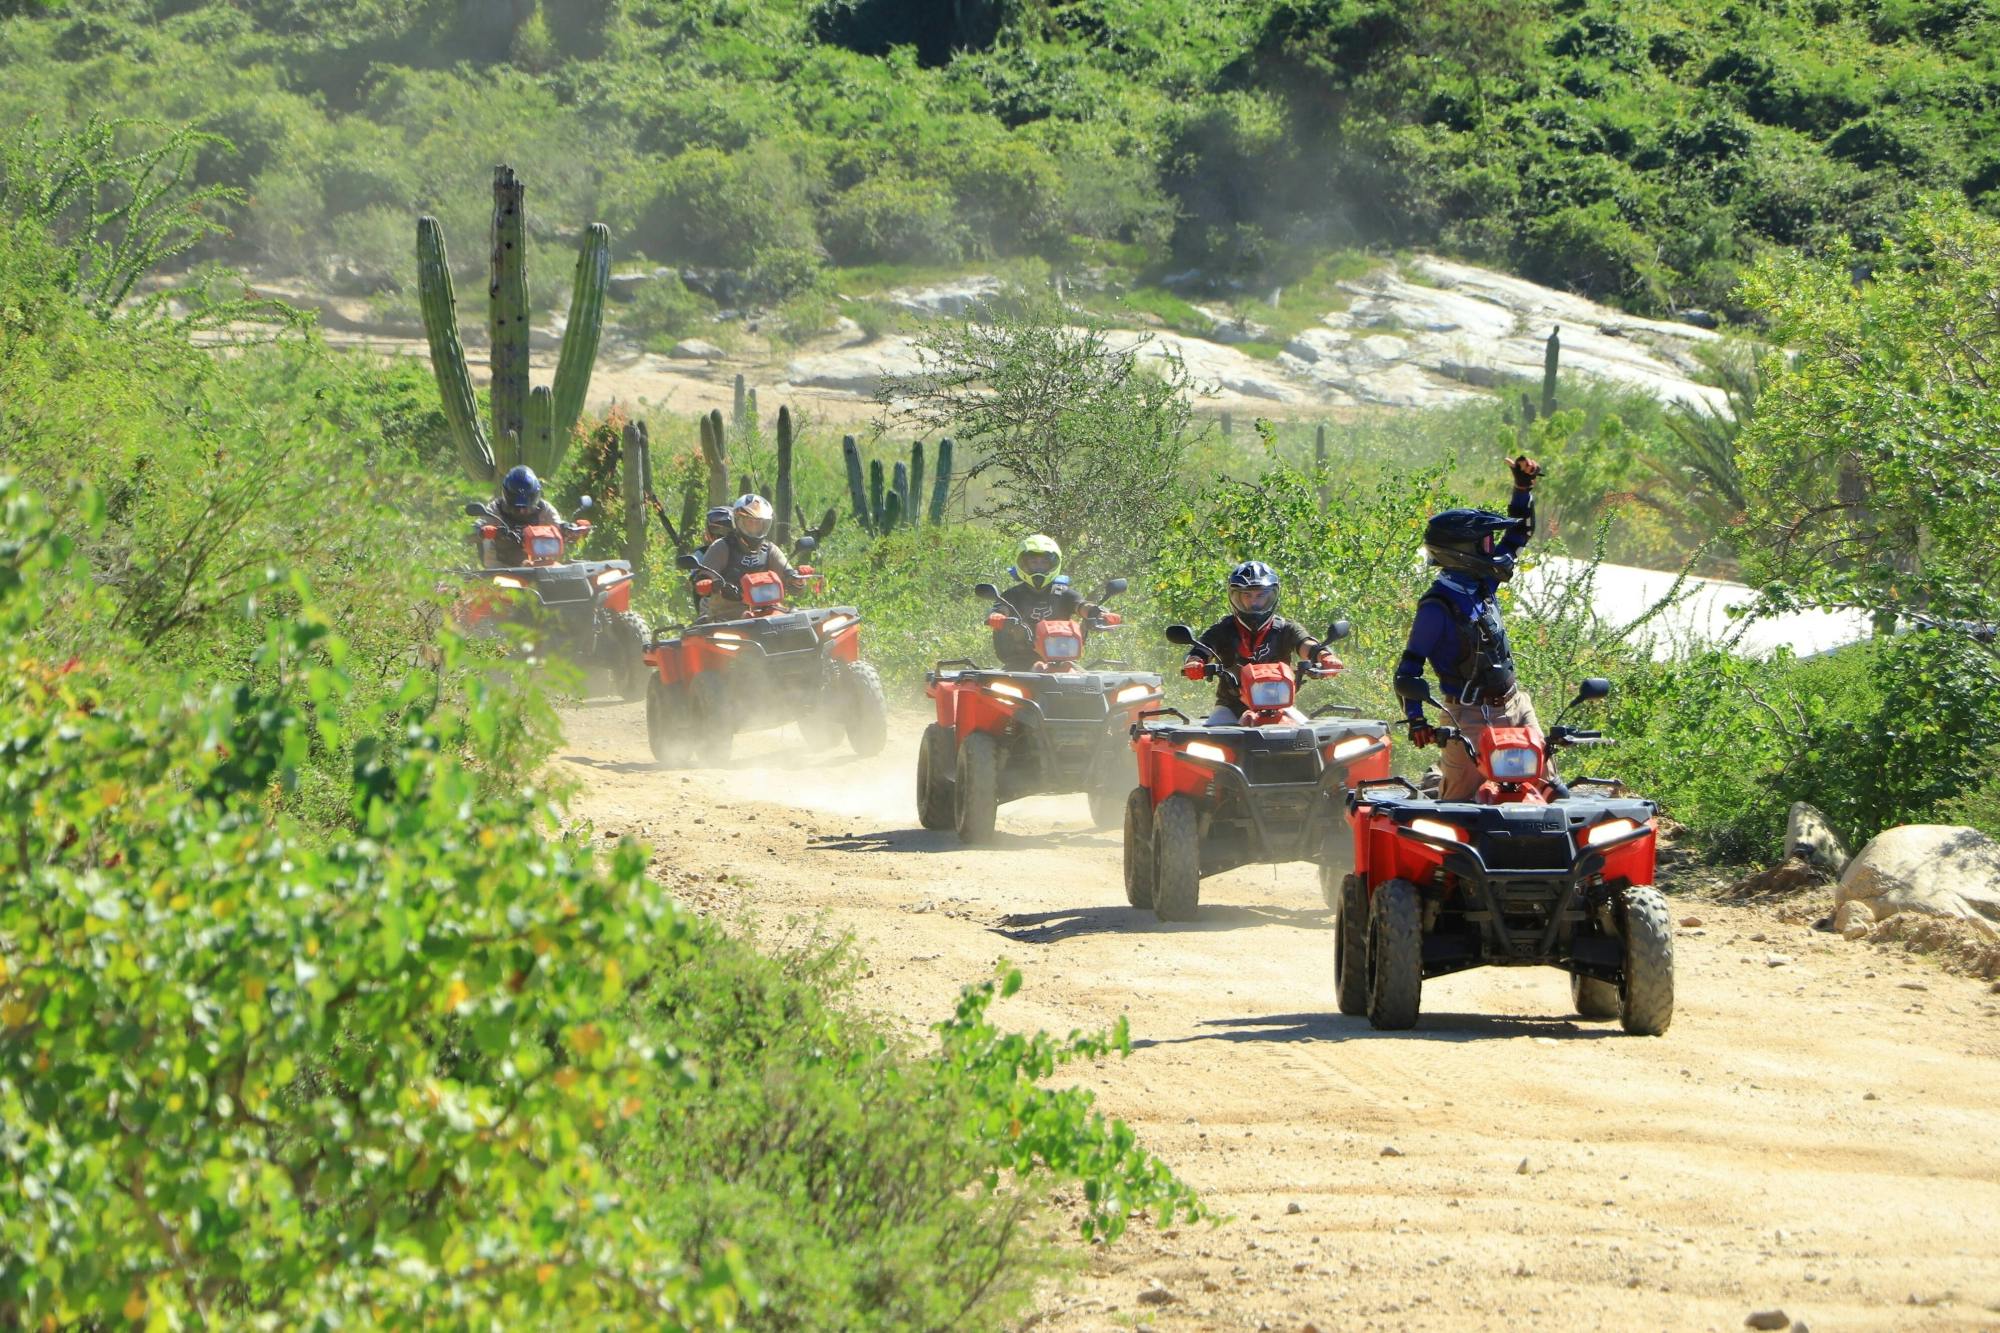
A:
1644, 153
312, 1011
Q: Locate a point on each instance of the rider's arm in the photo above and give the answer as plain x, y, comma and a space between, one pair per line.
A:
1426, 632
777, 560
1521, 506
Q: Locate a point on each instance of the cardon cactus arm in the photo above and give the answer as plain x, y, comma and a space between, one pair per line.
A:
913, 499
508, 312
715, 452
454, 381
781, 496
539, 448
875, 493
941, 487
580, 337
899, 486
1551, 362
892, 509
857, 493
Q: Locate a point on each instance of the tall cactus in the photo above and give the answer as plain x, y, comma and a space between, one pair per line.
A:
781, 494
941, 487
857, 494
529, 425
715, 453
1551, 355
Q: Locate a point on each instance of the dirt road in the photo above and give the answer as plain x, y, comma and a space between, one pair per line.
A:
1819, 1131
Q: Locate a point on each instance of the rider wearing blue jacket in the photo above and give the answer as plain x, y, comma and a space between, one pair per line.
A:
1458, 632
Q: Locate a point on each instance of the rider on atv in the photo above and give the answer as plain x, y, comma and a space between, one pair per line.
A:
746, 550
1253, 631
1458, 630
520, 505
1042, 594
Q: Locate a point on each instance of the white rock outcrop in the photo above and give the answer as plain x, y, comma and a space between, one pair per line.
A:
1939, 869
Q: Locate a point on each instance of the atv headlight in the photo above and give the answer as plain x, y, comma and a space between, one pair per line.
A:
606, 578
1204, 750
1611, 830
1353, 746
1133, 692
1515, 763
1006, 689
1437, 828
726, 634
507, 581
1271, 694
1061, 647
833, 625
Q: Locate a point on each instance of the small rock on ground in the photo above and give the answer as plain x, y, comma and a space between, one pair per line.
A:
1767, 1319
1156, 1295
1294, 1209
1392, 1150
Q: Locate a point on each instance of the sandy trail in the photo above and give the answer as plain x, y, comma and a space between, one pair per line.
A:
1822, 1135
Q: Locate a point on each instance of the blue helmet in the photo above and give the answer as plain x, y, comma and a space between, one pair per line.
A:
521, 488
1253, 594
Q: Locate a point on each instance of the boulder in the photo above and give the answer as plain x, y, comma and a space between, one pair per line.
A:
1808, 838
1938, 869
696, 349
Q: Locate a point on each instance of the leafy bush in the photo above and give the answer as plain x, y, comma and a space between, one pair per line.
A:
664, 310
444, 1063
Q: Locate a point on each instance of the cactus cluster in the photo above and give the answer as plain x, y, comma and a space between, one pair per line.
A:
884, 502
531, 424
790, 516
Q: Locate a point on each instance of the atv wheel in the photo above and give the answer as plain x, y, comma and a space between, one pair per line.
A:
1176, 859
1395, 955
821, 726
1110, 779
936, 791
1593, 998
1139, 848
713, 730
867, 710
1350, 946
666, 723
978, 788
629, 671
1646, 999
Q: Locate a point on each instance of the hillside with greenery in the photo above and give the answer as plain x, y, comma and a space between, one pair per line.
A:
1643, 153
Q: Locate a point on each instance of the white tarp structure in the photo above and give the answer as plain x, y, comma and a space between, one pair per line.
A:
1699, 615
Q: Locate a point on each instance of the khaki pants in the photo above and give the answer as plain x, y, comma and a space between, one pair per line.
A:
1461, 770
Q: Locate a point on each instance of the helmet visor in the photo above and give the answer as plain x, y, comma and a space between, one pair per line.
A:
1036, 564
752, 527
1253, 601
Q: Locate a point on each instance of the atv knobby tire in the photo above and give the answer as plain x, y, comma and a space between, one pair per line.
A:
629, 672
1176, 859
1139, 848
937, 758
1111, 777
1395, 955
714, 731
977, 784
666, 723
1646, 998
1593, 998
867, 710
1350, 946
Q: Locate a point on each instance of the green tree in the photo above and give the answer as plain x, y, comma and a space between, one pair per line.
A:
1086, 430
1872, 466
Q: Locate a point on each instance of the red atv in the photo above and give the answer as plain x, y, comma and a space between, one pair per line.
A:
1002, 735
774, 665
585, 604
1269, 789
1528, 872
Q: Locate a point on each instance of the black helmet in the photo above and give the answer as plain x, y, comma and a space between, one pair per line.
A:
720, 522
521, 488
1253, 593
1463, 541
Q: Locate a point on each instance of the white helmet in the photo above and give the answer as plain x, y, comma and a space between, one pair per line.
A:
752, 515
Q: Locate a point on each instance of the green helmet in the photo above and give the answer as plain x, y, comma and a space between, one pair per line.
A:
1038, 561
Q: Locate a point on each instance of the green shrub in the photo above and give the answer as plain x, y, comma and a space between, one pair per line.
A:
441, 1063
711, 207
891, 218
663, 310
